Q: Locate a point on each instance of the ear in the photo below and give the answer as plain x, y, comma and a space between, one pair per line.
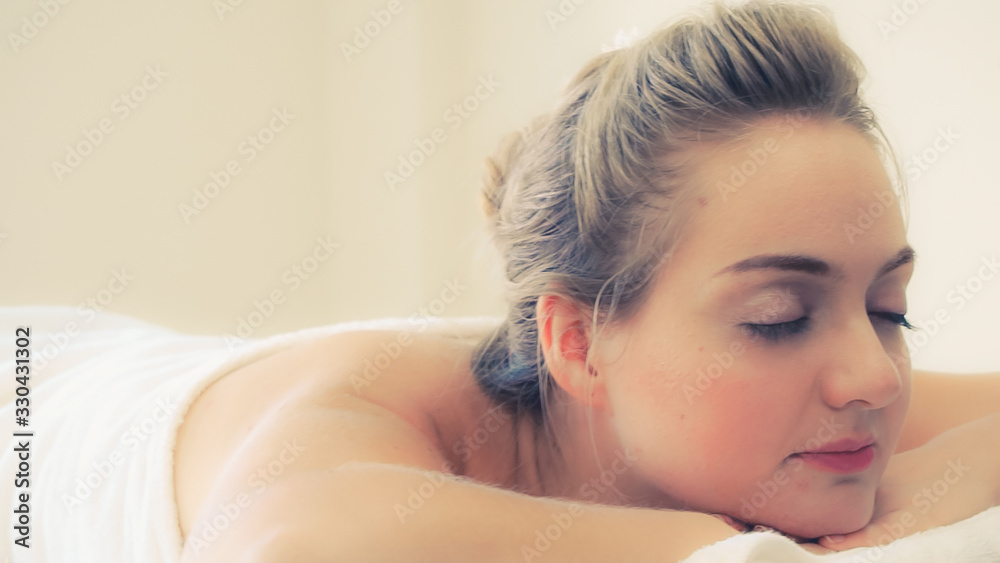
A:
564, 334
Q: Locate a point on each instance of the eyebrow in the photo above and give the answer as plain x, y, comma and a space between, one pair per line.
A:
810, 265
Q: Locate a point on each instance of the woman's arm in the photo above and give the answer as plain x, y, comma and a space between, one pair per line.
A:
953, 476
376, 512
942, 401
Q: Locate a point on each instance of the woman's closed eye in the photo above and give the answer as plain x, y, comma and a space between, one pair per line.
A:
775, 332
898, 319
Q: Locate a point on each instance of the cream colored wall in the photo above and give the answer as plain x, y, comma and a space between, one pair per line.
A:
397, 251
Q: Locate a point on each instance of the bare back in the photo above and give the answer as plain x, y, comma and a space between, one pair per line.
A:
314, 407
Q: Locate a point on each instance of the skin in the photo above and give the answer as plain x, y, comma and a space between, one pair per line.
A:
776, 397
630, 423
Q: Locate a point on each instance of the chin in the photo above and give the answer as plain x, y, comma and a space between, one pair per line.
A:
842, 515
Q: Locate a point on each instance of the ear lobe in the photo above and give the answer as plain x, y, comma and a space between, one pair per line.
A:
564, 336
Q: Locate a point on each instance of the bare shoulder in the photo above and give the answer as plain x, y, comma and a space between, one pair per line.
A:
423, 378
370, 396
390, 366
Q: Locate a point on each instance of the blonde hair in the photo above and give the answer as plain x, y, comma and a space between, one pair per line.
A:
587, 201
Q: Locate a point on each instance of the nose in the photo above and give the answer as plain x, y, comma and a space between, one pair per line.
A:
861, 369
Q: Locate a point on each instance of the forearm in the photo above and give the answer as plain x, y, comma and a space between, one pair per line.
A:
943, 401
977, 444
389, 513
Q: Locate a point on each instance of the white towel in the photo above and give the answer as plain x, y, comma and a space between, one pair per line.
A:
105, 401
974, 540
108, 393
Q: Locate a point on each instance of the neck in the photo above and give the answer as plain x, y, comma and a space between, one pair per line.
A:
574, 455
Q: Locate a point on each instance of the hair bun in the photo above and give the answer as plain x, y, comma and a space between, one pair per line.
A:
499, 167
492, 184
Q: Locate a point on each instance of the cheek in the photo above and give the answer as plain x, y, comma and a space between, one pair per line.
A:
740, 419
694, 429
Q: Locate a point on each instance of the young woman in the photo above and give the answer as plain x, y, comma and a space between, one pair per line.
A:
700, 340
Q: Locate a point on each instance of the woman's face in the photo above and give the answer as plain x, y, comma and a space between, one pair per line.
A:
773, 330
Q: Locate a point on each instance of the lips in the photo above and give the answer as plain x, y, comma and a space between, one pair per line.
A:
849, 455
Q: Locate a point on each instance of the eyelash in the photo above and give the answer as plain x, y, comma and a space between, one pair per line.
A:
778, 331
